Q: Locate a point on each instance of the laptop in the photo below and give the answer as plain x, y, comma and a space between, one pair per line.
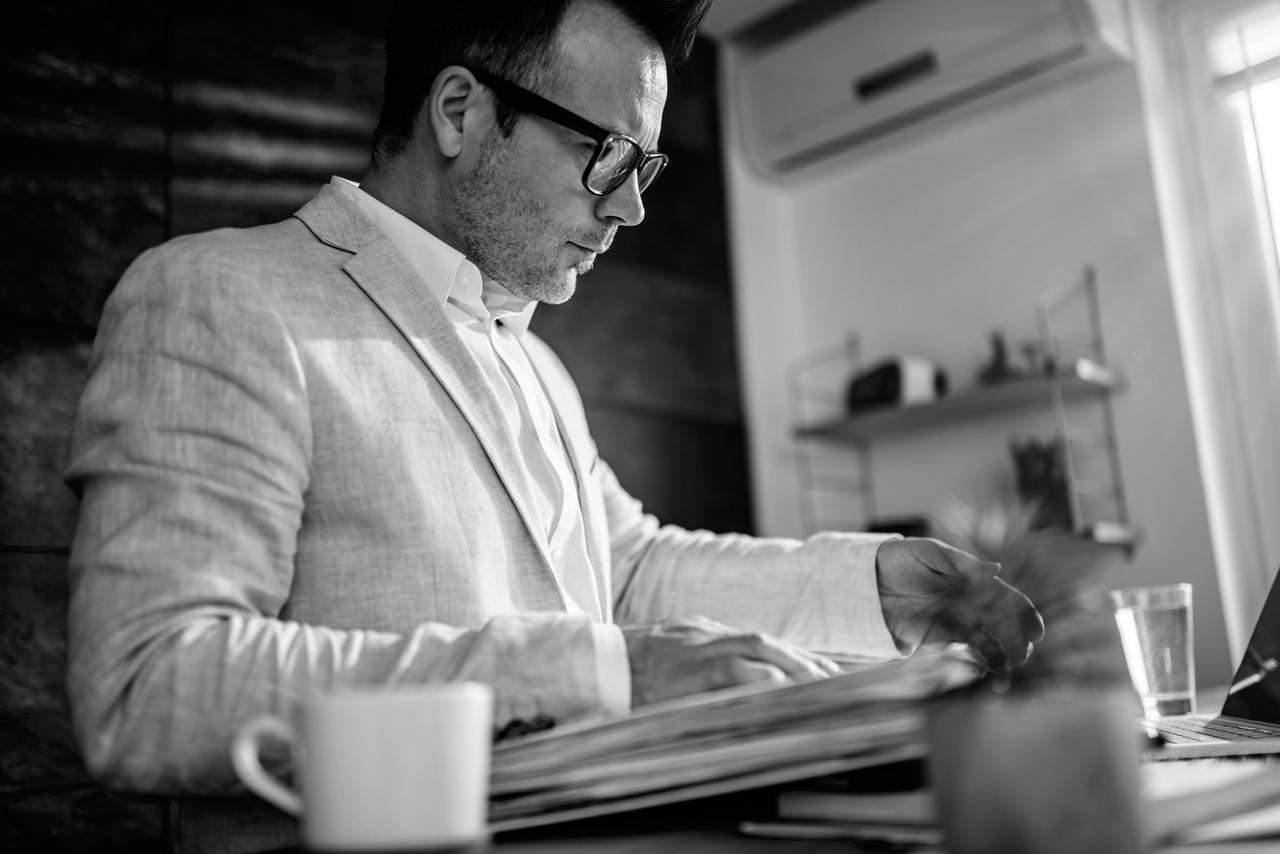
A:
1250, 719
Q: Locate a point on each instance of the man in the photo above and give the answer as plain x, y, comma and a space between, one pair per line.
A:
326, 452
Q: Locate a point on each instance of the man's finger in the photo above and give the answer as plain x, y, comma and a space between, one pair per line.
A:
791, 660
1014, 620
992, 651
999, 610
980, 572
744, 672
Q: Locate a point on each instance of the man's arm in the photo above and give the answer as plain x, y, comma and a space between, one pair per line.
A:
192, 451
870, 595
818, 594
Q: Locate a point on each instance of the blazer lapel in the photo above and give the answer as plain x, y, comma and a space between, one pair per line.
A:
384, 276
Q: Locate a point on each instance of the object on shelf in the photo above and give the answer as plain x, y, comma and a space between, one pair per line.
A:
998, 369
1041, 471
1039, 360
897, 381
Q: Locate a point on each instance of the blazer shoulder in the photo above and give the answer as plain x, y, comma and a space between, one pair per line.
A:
280, 246
248, 261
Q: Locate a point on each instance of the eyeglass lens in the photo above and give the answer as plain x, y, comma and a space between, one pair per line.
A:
616, 159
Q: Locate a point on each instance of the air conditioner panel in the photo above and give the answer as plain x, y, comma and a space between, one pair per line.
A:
800, 98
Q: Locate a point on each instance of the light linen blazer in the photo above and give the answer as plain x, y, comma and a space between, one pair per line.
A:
293, 479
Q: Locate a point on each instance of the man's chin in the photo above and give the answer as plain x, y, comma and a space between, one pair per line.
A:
548, 289
566, 288
551, 291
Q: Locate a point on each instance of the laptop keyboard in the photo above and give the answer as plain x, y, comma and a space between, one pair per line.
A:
1192, 729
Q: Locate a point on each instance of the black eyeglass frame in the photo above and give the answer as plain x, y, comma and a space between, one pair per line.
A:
530, 102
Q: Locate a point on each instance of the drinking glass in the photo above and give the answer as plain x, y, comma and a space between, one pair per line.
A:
1156, 633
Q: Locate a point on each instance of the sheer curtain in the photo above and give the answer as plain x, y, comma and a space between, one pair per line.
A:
1208, 71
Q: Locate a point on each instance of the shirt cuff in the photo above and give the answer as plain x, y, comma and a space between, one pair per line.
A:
840, 612
883, 643
613, 668
875, 641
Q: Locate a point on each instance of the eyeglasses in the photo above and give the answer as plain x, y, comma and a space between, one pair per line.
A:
616, 156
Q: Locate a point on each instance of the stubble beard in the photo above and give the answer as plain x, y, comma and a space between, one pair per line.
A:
506, 231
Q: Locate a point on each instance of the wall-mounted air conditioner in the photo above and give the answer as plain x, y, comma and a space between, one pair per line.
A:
820, 78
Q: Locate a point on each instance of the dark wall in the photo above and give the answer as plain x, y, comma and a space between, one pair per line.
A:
126, 123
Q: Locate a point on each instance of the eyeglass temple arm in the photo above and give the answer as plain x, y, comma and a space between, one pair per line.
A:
533, 103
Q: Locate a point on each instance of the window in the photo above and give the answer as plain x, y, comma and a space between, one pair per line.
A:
1209, 72
1244, 56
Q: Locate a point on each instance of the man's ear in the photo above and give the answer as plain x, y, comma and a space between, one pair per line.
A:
455, 107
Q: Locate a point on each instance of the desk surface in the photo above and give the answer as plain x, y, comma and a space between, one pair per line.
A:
710, 826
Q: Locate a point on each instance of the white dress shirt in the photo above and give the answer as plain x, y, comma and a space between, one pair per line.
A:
490, 320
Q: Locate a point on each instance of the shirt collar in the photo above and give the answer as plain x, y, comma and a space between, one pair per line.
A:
446, 272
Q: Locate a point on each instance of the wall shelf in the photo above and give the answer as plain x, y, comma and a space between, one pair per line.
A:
1076, 370
1084, 378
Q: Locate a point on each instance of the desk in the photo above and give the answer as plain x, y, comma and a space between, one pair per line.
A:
709, 826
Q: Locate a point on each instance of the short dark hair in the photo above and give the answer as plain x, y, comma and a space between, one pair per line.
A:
510, 38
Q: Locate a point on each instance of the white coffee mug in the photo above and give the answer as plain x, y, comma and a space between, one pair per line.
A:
381, 769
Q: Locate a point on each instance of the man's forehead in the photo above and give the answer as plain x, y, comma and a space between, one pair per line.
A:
610, 71
596, 38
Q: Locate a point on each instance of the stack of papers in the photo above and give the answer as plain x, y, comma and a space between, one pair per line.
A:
1212, 800
1185, 803
722, 741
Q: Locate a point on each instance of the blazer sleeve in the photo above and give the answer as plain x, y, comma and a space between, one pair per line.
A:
820, 593
191, 452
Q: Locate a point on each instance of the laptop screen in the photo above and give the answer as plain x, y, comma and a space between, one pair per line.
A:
1255, 689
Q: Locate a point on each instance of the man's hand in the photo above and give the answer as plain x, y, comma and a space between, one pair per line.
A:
678, 657
931, 592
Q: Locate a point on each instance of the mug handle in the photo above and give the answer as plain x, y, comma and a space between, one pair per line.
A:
248, 764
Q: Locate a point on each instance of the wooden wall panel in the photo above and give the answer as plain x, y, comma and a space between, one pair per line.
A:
701, 476
47, 801
647, 339
36, 746
269, 101
82, 176
39, 387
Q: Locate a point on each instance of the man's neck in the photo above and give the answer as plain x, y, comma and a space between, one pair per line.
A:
397, 191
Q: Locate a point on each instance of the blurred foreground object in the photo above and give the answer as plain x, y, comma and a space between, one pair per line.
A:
1036, 774
1065, 577
1050, 765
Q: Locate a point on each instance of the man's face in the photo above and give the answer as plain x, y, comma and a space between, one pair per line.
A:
522, 213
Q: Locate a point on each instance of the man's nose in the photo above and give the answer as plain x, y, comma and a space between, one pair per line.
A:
623, 205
